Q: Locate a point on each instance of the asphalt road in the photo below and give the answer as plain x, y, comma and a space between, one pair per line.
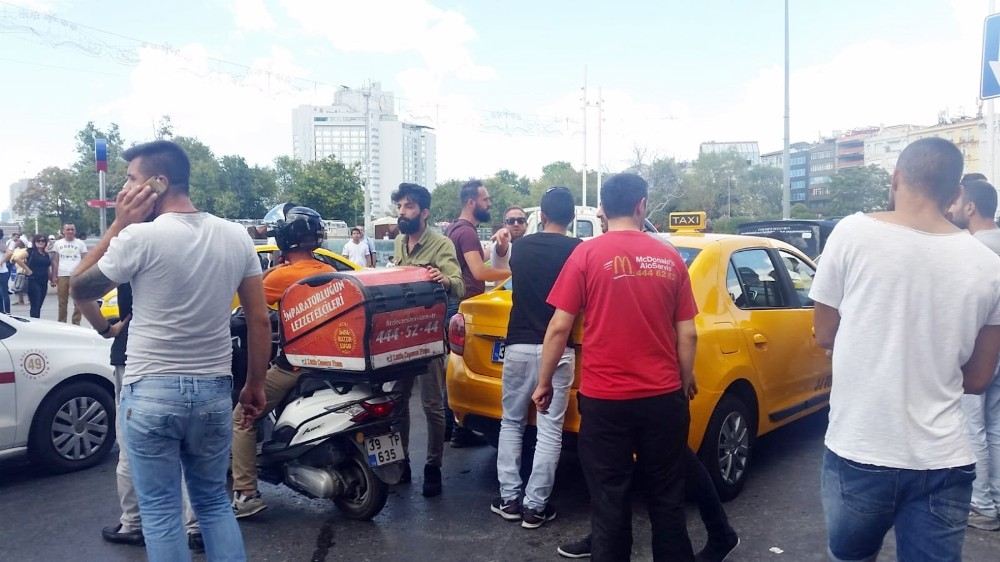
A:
778, 515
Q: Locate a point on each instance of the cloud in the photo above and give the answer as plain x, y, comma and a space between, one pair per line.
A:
245, 111
251, 15
438, 36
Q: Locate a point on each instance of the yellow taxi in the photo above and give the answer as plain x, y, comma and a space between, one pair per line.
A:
267, 253
757, 367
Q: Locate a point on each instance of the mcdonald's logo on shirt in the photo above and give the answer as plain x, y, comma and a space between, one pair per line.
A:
622, 266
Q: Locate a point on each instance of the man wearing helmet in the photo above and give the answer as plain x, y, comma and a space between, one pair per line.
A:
297, 235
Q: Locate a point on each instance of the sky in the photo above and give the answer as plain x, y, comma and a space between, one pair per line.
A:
501, 82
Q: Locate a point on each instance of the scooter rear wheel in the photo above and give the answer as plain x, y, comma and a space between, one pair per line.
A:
366, 494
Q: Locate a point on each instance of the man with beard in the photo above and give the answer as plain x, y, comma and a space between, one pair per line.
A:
418, 246
974, 210
476, 203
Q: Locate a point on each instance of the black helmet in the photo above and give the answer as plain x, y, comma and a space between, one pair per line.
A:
301, 228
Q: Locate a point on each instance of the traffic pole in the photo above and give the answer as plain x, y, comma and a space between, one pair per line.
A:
102, 191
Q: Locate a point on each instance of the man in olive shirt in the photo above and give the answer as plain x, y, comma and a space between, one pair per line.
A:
420, 247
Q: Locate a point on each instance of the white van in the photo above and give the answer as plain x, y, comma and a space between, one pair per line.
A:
586, 225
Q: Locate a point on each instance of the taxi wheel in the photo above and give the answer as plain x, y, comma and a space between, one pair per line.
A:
725, 451
74, 427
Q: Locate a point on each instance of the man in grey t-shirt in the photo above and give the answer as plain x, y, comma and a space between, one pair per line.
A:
176, 399
975, 210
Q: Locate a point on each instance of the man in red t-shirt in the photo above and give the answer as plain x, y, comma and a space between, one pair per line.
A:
637, 371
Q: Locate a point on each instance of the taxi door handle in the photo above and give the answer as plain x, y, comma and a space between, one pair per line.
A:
759, 340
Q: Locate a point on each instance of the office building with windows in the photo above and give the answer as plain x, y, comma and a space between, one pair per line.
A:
361, 127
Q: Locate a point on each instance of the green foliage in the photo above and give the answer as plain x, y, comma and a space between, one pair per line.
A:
800, 211
226, 186
858, 189
328, 186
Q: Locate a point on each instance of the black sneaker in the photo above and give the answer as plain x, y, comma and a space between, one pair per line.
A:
196, 543
462, 438
717, 552
535, 518
432, 481
576, 549
508, 509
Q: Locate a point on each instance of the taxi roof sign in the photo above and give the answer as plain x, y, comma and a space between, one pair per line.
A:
688, 222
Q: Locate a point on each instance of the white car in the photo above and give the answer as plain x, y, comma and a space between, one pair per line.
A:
56, 393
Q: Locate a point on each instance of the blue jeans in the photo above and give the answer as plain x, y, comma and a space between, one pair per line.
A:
982, 413
929, 509
520, 377
173, 422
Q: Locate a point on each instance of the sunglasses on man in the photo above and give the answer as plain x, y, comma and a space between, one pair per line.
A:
515, 220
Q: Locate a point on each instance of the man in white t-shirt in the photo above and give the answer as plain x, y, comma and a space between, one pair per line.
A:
974, 211
66, 255
357, 249
176, 397
910, 306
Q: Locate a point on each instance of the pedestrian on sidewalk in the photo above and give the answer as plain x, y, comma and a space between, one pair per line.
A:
633, 400
910, 306
974, 210
539, 259
5, 277
36, 265
66, 255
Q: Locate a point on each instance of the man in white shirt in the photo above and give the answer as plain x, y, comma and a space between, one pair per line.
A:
357, 249
66, 255
176, 396
974, 211
910, 306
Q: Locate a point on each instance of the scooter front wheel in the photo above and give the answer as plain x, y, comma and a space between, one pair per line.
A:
365, 495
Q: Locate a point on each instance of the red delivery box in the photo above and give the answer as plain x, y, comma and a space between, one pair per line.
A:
377, 320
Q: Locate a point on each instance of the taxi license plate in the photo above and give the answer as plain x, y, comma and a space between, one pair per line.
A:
384, 449
499, 347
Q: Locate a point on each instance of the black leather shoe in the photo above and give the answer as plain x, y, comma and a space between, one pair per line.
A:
113, 534
432, 481
407, 476
195, 542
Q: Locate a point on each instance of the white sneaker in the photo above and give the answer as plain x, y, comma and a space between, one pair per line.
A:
245, 506
983, 522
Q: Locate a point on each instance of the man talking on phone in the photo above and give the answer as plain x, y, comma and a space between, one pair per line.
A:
424, 248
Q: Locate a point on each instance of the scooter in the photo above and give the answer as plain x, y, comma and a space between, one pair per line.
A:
332, 436
335, 439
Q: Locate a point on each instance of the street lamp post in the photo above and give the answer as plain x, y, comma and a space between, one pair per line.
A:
786, 189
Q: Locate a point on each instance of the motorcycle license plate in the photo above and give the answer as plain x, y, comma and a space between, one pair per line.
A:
384, 449
499, 347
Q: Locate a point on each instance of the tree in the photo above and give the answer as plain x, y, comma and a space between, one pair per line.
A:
328, 186
50, 196
208, 192
444, 201
863, 189
246, 192
800, 211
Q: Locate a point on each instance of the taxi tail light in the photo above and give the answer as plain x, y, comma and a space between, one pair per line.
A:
456, 334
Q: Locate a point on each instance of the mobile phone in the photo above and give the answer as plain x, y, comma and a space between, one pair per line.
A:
158, 186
